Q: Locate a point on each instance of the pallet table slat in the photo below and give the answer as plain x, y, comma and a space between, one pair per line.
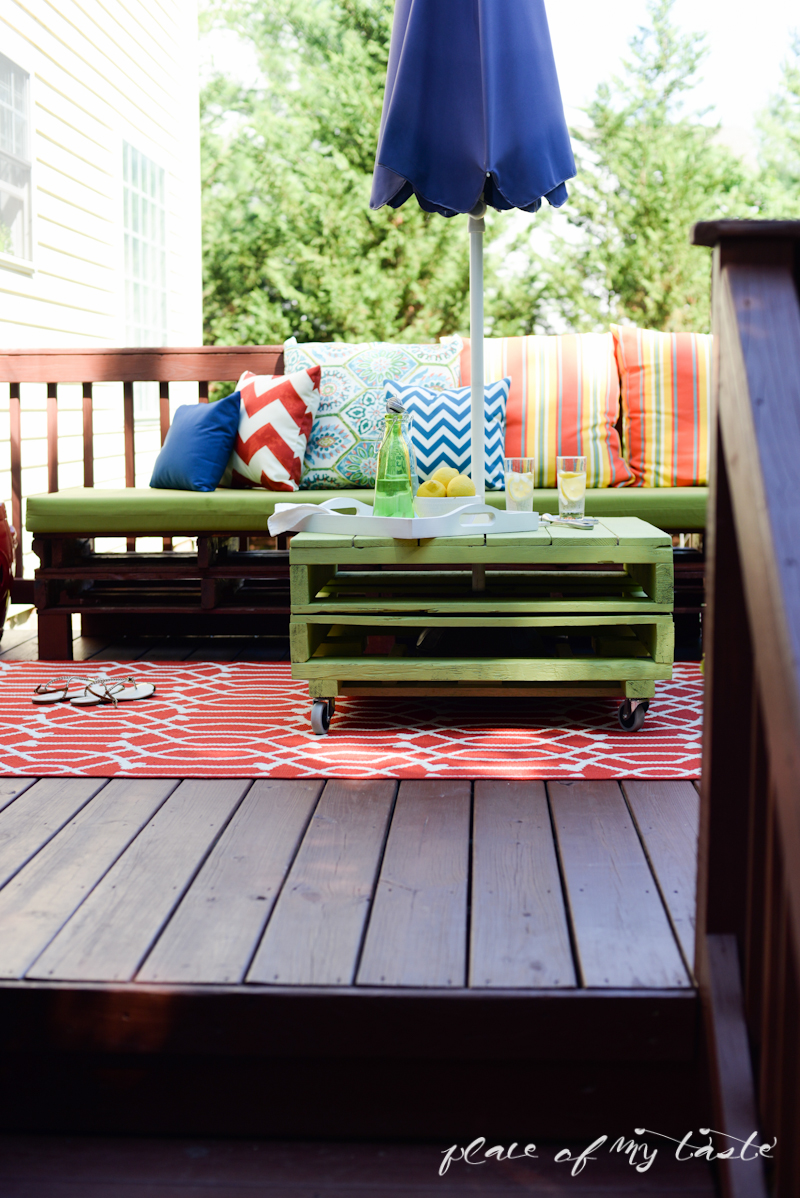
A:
472, 669
316, 928
417, 934
37, 815
667, 815
111, 933
622, 934
37, 903
604, 607
519, 935
212, 935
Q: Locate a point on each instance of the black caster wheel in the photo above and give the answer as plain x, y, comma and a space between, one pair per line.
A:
321, 713
630, 718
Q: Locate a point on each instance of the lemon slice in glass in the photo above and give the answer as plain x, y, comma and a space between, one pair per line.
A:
572, 486
520, 486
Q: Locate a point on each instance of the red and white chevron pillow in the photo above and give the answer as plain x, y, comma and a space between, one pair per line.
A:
276, 412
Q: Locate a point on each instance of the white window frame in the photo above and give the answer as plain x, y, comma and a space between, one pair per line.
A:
18, 54
146, 246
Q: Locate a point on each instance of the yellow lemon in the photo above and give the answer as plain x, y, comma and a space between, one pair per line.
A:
460, 485
444, 475
432, 489
572, 485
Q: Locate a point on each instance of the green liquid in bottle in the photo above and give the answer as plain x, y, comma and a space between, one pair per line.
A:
393, 493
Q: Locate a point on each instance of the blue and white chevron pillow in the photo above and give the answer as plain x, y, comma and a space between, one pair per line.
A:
440, 429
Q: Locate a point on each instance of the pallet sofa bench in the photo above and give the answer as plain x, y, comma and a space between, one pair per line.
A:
225, 585
228, 584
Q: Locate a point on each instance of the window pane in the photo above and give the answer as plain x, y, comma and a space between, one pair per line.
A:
15, 171
145, 257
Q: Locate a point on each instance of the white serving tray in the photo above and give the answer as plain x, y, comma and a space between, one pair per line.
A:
351, 517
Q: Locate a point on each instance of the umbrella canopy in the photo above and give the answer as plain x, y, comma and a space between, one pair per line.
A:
472, 107
472, 115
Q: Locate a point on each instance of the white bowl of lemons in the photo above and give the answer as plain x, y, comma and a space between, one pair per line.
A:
443, 492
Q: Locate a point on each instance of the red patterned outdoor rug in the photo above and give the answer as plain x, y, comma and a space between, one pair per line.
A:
240, 719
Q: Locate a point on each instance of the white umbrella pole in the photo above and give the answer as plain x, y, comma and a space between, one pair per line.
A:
476, 341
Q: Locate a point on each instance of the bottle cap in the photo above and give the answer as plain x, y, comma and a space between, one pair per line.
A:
394, 405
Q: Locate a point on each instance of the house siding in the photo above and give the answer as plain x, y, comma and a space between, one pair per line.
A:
102, 73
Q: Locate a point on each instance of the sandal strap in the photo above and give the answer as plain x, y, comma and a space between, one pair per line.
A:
111, 686
59, 684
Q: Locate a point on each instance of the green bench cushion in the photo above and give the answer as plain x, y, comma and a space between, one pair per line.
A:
92, 512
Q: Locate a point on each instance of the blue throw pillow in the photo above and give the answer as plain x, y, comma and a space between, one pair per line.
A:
440, 430
198, 445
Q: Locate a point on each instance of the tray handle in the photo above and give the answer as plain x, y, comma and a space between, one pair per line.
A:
347, 507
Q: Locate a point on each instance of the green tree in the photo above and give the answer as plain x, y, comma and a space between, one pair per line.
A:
779, 137
290, 243
647, 170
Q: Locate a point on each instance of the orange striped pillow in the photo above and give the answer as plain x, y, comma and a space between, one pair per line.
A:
564, 400
666, 393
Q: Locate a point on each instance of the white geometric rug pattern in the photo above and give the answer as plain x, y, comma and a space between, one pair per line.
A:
249, 719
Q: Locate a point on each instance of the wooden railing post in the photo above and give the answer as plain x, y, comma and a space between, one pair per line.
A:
163, 408
130, 443
52, 436
130, 447
748, 931
727, 719
15, 429
88, 436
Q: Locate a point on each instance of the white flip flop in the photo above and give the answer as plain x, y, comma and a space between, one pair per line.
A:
113, 690
56, 690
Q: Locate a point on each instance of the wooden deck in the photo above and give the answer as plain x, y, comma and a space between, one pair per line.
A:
444, 885
344, 958
301, 930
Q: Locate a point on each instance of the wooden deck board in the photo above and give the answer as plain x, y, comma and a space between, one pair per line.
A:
132, 651
12, 788
417, 929
667, 815
112, 932
27, 824
519, 933
315, 932
40, 899
296, 885
21, 644
622, 934
214, 932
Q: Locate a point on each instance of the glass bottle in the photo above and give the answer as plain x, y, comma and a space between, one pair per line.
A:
393, 483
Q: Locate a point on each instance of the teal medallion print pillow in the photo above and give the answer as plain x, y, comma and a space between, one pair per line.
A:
342, 448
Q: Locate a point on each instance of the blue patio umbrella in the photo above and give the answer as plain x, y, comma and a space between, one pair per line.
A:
472, 117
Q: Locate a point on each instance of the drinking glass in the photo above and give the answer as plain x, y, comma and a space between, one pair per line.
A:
571, 479
519, 484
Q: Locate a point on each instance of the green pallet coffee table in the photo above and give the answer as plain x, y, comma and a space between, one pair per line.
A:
556, 612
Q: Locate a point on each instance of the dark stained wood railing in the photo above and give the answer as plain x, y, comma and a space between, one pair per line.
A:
748, 943
203, 365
